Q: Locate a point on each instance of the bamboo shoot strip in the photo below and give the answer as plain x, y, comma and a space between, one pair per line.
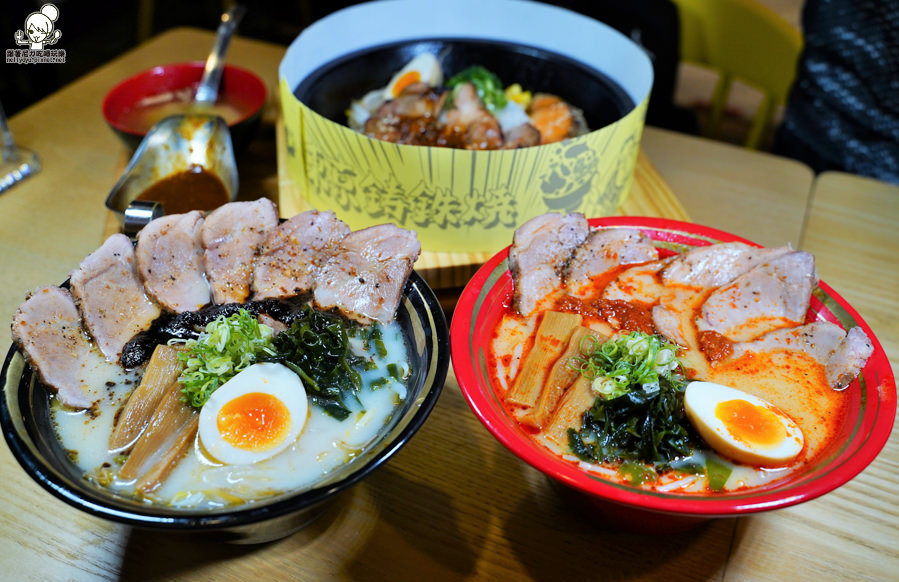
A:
551, 340
162, 370
159, 472
561, 376
570, 412
171, 417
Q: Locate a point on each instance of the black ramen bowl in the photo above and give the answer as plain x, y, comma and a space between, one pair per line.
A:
329, 90
460, 200
26, 422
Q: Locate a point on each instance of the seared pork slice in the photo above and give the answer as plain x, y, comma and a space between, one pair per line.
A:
110, 295
673, 316
523, 136
170, 261
637, 283
365, 276
416, 100
470, 121
541, 248
849, 358
772, 295
669, 324
818, 339
842, 354
718, 264
603, 250
410, 118
47, 328
294, 251
232, 235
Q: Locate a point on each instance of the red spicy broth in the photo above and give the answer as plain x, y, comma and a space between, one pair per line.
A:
793, 382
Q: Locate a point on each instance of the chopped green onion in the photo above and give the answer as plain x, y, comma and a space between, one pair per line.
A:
638, 414
718, 474
637, 473
486, 84
227, 346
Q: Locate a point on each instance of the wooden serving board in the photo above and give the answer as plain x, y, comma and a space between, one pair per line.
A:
650, 196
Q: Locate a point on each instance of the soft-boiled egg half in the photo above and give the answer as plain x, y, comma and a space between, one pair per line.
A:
742, 426
424, 68
254, 415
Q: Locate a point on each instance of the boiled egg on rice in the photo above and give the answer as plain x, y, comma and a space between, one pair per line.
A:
254, 415
742, 426
424, 68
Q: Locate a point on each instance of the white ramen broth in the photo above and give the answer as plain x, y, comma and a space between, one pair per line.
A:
198, 482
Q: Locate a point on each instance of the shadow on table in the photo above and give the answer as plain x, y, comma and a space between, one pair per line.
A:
565, 536
478, 513
154, 555
505, 520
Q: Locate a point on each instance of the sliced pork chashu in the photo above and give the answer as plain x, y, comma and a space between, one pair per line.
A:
294, 251
603, 250
842, 354
110, 295
469, 120
47, 328
540, 251
718, 264
232, 236
848, 359
769, 296
365, 276
170, 261
637, 283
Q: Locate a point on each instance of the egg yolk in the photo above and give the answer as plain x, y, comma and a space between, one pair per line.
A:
404, 81
750, 423
253, 421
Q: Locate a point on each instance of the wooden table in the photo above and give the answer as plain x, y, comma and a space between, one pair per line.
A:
454, 504
760, 196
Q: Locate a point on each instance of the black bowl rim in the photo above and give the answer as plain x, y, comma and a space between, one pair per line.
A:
304, 88
438, 344
294, 72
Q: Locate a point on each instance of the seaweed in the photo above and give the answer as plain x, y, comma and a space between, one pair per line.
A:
316, 346
639, 414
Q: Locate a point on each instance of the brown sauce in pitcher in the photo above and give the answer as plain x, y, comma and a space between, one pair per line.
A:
193, 189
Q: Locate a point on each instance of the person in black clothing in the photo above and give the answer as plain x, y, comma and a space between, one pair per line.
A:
843, 109
655, 26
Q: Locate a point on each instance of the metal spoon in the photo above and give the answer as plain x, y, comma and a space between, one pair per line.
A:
208, 90
16, 163
175, 144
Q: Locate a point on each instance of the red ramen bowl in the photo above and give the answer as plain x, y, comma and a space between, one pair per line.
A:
865, 427
133, 106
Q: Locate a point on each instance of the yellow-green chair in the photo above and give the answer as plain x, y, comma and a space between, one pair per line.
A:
744, 40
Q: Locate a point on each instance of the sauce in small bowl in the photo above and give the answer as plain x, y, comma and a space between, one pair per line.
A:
186, 162
195, 188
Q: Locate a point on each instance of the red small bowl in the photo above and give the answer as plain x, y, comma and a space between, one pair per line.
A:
867, 424
240, 90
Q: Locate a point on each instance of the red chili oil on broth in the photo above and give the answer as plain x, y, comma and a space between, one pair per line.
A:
797, 385
793, 382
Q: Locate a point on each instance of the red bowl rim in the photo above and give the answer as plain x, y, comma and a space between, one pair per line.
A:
250, 80
869, 437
